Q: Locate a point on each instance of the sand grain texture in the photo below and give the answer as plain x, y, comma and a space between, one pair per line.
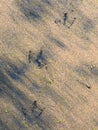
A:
67, 86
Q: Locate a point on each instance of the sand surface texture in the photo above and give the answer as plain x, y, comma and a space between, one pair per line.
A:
63, 73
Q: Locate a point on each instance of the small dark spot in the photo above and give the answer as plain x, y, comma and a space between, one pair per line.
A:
41, 59
57, 21
58, 43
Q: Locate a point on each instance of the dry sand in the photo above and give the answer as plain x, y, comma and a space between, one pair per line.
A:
67, 86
